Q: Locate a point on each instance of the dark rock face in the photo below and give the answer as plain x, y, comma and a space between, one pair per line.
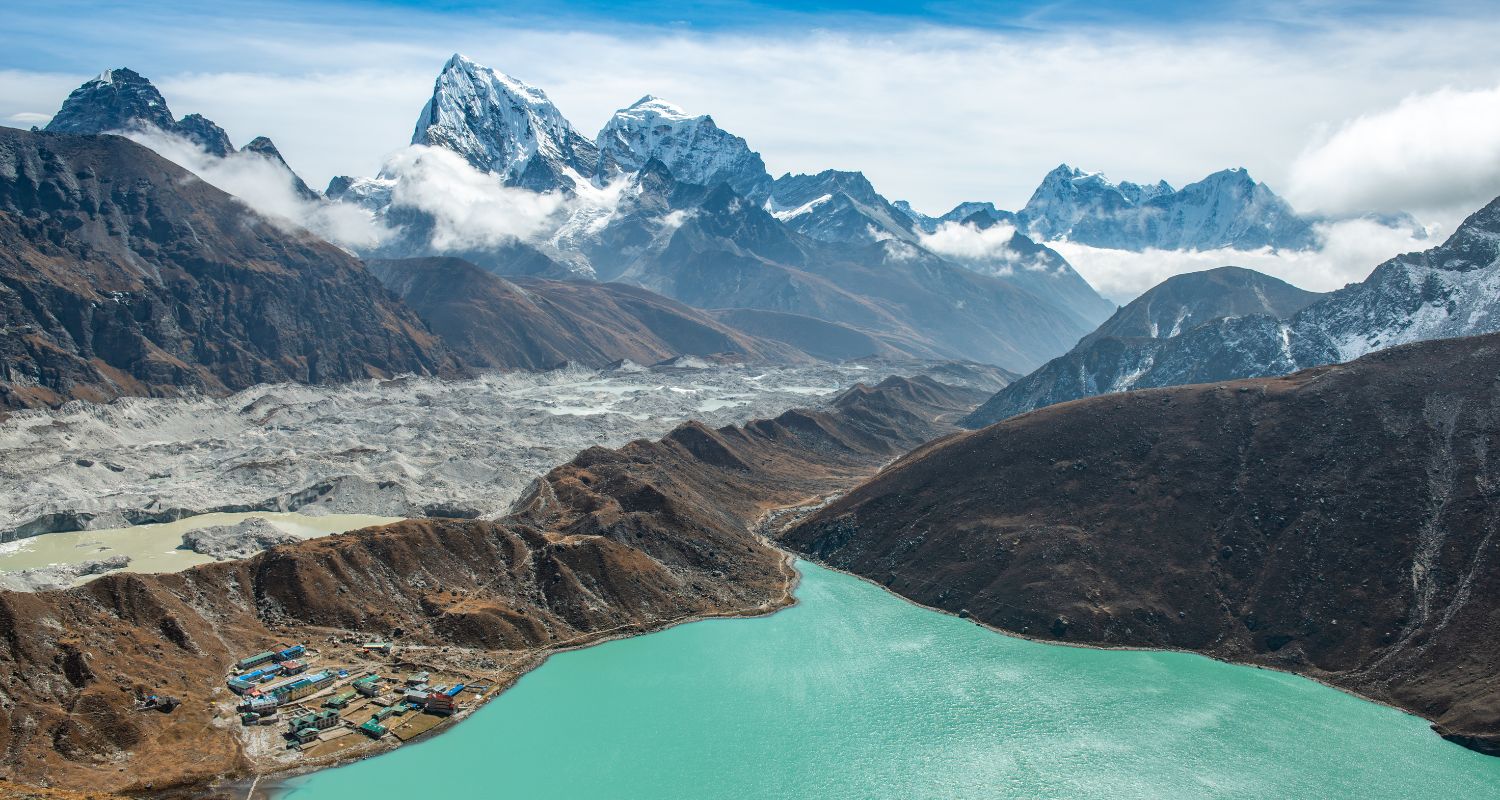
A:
1219, 324
115, 100
264, 147
1449, 290
206, 134
1338, 522
616, 541
1184, 302
840, 207
120, 99
532, 323
121, 273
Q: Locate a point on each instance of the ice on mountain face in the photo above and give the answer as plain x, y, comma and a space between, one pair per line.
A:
405, 447
785, 214
837, 206
503, 126
1225, 209
1447, 291
694, 149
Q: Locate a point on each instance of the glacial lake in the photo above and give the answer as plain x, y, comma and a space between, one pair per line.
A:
157, 547
855, 693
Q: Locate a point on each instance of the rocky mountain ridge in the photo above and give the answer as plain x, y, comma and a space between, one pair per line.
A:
636, 212
123, 274
1225, 210
1447, 291
492, 322
121, 100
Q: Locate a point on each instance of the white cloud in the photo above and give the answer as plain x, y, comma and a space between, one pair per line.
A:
29, 118
266, 187
932, 115
1349, 251
470, 209
1438, 151
987, 250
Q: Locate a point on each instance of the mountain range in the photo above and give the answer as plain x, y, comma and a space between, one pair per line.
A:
1228, 209
670, 202
1223, 325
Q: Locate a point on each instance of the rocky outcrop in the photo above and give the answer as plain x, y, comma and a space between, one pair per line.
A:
123, 274
616, 541
228, 542
1339, 523
265, 148
59, 576
123, 100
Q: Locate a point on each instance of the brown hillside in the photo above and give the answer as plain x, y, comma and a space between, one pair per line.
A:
1339, 522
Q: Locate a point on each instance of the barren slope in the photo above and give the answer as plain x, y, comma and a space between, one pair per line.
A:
1339, 522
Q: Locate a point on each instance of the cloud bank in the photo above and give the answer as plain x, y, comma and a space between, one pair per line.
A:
934, 115
470, 209
1436, 152
268, 188
1349, 251
985, 250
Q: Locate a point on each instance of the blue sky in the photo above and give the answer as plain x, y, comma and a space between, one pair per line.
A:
1342, 107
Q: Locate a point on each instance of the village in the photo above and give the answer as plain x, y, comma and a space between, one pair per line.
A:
324, 703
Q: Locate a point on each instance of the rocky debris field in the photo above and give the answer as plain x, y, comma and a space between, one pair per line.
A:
59, 576
409, 447
225, 542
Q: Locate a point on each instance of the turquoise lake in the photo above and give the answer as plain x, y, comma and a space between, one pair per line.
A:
855, 693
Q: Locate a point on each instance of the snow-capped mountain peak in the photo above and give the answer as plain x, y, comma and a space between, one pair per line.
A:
1226, 209
694, 148
503, 126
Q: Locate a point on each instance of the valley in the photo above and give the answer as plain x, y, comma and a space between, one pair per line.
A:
411, 447
613, 542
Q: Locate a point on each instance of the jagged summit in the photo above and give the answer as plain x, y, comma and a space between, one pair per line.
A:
122, 99
113, 101
694, 148
1225, 209
1230, 323
838, 206
979, 214
265, 148
206, 133
503, 126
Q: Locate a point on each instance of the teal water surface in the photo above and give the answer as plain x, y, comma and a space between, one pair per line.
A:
855, 693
